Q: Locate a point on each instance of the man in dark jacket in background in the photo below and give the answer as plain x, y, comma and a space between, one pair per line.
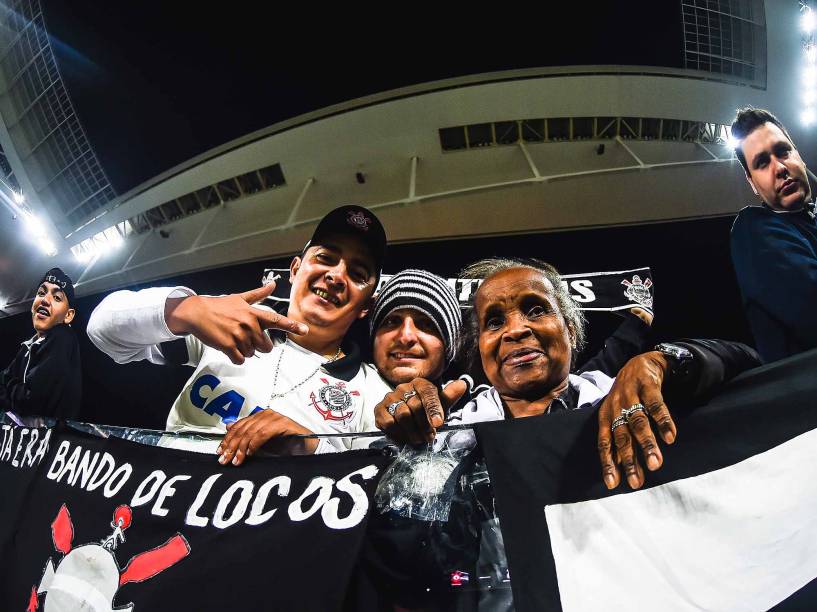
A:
45, 377
774, 245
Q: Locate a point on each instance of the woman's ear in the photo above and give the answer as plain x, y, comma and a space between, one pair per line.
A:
571, 333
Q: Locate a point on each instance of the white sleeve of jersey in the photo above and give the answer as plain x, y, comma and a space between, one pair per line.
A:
376, 389
130, 325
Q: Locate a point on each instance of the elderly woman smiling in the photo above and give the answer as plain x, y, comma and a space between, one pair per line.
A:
528, 329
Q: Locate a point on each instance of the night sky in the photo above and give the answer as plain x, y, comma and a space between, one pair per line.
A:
158, 83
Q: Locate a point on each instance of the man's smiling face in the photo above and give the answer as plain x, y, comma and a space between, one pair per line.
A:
332, 283
408, 345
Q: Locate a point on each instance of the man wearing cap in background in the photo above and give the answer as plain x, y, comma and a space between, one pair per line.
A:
45, 377
305, 379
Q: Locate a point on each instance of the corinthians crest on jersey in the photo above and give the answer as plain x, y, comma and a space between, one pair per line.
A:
333, 401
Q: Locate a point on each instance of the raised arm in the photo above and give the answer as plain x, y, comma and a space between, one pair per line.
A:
130, 325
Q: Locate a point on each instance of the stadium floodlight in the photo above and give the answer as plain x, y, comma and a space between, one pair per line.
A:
808, 116
808, 21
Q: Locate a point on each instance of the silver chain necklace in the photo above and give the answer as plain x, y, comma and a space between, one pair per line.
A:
275, 395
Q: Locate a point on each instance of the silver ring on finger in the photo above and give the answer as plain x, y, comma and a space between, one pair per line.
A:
618, 422
628, 412
408, 395
392, 408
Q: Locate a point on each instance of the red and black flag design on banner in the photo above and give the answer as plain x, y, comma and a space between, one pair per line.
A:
728, 523
109, 524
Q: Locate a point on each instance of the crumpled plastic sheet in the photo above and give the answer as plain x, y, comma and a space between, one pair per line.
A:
422, 481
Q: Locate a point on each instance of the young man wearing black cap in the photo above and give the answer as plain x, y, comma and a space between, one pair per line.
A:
45, 377
303, 380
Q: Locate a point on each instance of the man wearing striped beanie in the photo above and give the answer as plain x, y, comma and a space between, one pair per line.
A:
415, 327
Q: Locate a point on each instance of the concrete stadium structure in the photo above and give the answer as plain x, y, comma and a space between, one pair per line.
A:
528, 151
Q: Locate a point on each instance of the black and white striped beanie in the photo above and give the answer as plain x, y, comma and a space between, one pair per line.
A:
426, 293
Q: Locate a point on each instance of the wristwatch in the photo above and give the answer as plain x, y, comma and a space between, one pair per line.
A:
678, 357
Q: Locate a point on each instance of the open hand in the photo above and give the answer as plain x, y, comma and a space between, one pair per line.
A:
637, 384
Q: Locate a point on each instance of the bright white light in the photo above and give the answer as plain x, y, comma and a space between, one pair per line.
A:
811, 54
35, 226
808, 20
48, 247
810, 76
113, 237
808, 116
732, 142
809, 97
18, 197
82, 256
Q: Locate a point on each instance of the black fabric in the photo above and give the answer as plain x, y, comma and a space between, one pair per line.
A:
345, 368
175, 351
409, 563
714, 363
46, 379
552, 459
775, 260
353, 220
595, 291
288, 562
631, 338
62, 280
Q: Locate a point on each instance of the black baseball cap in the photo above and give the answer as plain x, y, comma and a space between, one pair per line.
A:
62, 280
354, 220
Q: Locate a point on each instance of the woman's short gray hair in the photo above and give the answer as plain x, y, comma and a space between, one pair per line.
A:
486, 268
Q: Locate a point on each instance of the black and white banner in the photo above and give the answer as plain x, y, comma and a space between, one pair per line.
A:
109, 524
726, 524
594, 291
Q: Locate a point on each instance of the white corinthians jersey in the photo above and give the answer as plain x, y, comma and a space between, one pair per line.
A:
326, 398
336, 397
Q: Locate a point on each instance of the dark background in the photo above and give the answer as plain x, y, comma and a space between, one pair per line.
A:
695, 296
156, 83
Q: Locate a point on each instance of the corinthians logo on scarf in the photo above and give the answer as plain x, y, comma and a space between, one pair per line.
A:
594, 291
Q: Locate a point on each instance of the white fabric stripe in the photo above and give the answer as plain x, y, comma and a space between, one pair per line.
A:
439, 293
82, 590
449, 320
426, 279
398, 300
739, 538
